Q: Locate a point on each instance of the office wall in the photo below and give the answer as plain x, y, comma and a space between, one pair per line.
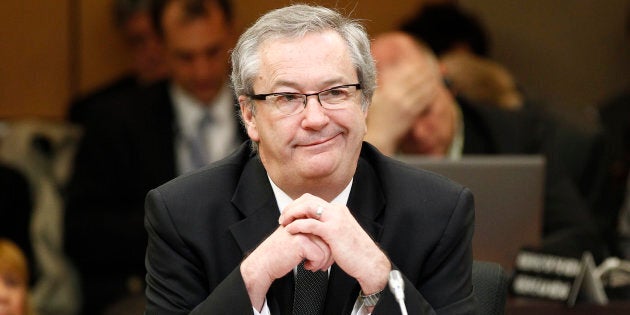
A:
53, 50
101, 52
565, 53
34, 60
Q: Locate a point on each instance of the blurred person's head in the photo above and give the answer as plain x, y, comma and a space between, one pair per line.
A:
481, 80
197, 36
13, 280
434, 128
445, 27
133, 20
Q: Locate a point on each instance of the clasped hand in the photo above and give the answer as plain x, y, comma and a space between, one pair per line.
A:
320, 233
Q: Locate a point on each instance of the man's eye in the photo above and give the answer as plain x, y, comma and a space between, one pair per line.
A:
184, 57
288, 97
336, 92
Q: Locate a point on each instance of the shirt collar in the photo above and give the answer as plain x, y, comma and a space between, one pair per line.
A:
456, 149
189, 110
284, 200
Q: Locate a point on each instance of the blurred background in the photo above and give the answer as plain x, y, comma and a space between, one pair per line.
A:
568, 55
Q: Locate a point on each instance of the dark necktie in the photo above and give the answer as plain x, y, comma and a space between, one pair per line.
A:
310, 291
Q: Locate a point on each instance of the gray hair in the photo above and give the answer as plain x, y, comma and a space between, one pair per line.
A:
293, 22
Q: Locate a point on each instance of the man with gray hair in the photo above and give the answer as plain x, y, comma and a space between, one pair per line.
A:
306, 218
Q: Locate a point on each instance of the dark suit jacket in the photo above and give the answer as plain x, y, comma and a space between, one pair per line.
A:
615, 120
202, 225
569, 227
127, 149
81, 108
16, 207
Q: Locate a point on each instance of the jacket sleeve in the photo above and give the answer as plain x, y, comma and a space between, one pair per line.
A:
447, 274
176, 281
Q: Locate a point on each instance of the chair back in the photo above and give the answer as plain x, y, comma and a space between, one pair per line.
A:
490, 286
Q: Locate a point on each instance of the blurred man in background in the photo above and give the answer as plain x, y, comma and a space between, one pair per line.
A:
133, 21
161, 131
414, 112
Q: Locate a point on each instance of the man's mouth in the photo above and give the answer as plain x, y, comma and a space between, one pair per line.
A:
319, 141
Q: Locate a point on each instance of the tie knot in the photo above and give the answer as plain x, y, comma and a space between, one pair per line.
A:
204, 120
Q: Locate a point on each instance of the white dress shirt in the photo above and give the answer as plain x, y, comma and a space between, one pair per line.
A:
221, 134
282, 199
456, 149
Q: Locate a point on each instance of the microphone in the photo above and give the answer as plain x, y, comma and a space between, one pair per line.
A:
397, 286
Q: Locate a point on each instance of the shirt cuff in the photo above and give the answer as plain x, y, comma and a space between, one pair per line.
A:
264, 311
358, 308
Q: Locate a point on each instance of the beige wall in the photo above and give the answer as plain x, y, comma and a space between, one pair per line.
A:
55, 49
377, 15
101, 54
564, 52
34, 66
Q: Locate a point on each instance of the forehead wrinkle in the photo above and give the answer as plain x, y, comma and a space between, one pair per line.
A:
278, 75
282, 72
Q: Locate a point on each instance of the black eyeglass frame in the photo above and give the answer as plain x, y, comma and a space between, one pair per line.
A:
263, 97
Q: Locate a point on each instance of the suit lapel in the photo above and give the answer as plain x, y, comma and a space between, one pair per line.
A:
255, 200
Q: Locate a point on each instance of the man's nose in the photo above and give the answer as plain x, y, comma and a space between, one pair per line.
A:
202, 68
315, 115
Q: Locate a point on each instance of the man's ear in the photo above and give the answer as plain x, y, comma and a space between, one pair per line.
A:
249, 119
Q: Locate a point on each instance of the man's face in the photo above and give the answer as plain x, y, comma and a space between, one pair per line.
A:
434, 129
197, 50
145, 48
318, 144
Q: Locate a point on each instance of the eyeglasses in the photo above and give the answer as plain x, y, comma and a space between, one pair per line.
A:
294, 103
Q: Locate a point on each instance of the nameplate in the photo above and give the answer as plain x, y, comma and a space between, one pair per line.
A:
557, 278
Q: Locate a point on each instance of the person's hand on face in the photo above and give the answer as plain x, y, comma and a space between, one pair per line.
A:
405, 90
408, 82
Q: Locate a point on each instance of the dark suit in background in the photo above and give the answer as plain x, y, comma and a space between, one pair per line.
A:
16, 207
203, 224
615, 119
127, 149
570, 213
121, 88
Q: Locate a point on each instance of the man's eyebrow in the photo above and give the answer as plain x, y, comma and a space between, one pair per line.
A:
295, 85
